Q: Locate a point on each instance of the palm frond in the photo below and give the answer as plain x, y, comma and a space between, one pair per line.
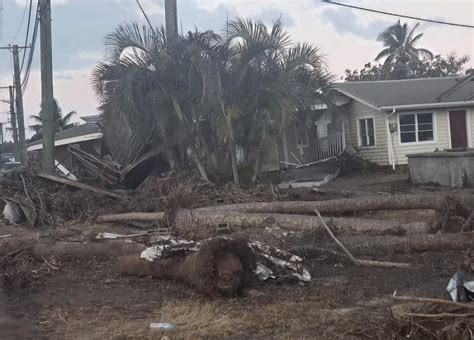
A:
384, 53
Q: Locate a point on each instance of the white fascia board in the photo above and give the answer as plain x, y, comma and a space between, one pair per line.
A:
427, 105
66, 141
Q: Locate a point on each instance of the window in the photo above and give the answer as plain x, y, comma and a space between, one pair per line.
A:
366, 132
416, 127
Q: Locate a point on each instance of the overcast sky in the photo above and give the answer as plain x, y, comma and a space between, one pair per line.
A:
346, 37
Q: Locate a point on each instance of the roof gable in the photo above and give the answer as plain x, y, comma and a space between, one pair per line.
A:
410, 92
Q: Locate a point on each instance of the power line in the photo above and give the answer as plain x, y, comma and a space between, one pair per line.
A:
398, 15
27, 34
26, 77
21, 24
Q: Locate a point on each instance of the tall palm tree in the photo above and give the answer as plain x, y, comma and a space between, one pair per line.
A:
61, 122
399, 43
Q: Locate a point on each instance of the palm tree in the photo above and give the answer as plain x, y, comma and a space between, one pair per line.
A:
399, 43
270, 81
61, 122
203, 93
152, 92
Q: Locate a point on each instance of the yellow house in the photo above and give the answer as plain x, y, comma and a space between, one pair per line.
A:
387, 120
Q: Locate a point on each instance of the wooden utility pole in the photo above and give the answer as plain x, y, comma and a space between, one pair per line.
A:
171, 18
16, 146
19, 106
47, 96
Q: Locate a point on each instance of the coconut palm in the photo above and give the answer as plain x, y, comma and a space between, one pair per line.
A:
399, 43
61, 122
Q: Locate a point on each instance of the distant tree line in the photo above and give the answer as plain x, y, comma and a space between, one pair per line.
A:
403, 60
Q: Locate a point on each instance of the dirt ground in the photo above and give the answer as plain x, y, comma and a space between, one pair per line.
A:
85, 298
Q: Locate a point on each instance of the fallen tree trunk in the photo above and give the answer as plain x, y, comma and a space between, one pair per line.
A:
345, 205
397, 244
78, 249
222, 266
186, 220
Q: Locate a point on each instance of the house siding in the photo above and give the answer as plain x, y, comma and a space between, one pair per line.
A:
379, 152
441, 136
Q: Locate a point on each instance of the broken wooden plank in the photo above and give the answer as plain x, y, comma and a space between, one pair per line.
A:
80, 186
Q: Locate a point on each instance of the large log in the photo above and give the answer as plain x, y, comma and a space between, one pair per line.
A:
345, 205
372, 245
221, 265
187, 220
109, 248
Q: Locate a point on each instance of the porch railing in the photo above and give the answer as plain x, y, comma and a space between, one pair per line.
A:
329, 146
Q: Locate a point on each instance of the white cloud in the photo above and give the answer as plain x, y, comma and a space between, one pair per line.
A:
72, 89
89, 56
151, 7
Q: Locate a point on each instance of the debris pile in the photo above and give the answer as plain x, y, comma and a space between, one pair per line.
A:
429, 318
221, 265
21, 267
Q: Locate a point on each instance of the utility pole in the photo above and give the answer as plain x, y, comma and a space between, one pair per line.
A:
171, 18
13, 123
19, 106
3, 147
47, 96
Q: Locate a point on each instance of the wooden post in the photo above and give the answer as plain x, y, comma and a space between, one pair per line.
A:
19, 106
16, 146
47, 96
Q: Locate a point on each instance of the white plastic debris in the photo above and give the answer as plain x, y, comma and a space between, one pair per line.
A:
263, 273
152, 253
12, 213
156, 251
162, 326
460, 289
282, 259
105, 235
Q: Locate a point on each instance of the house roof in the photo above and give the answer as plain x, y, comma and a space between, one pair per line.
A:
411, 93
80, 133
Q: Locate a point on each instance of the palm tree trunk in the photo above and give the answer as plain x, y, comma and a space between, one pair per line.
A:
211, 160
170, 155
172, 160
230, 132
201, 168
258, 161
233, 158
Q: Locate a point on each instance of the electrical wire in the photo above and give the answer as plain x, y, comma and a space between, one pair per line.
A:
398, 15
26, 77
27, 34
20, 25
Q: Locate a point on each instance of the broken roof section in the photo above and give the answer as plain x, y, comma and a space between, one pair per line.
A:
411, 93
80, 133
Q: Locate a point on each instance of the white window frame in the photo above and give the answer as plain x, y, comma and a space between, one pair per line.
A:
428, 142
359, 137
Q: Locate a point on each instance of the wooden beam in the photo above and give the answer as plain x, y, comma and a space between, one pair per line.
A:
80, 185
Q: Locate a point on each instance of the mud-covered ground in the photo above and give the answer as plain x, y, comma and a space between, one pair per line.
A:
83, 297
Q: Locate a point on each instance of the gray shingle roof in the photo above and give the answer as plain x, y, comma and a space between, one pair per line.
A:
388, 93
80, 130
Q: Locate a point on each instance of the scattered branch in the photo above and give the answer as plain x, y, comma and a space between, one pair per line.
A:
357, 262
433, 301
